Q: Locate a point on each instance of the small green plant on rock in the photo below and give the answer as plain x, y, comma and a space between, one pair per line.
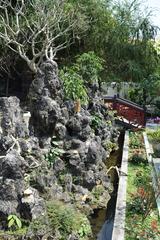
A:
14, 222
110, 146
96, 121
98, 191
85, 229
39, 224
54, 153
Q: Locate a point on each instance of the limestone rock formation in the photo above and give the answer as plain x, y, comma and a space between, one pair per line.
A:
59, 154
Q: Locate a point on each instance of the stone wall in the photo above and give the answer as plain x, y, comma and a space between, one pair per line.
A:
28, 180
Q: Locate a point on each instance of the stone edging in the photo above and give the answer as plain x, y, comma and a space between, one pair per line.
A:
148, 147
119, 220
153, 162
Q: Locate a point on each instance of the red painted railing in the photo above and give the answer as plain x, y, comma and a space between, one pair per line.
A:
127, 109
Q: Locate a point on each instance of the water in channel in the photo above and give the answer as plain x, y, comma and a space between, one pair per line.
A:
103, 219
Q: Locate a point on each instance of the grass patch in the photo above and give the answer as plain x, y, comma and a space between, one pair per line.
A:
18, 233
67, 220
63, 220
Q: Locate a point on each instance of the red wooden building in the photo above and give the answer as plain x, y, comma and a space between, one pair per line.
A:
127, 110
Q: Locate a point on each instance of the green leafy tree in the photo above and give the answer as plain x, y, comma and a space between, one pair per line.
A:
74, 87
146, 91
84, 72
130, 44
90, 66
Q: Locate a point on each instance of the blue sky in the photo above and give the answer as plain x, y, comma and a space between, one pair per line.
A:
155, 6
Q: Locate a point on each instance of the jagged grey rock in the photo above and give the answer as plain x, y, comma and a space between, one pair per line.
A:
13, 166
33, 203
74, 174
46, 97
12, 122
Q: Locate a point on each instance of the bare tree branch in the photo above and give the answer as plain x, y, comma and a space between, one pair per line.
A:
34, 29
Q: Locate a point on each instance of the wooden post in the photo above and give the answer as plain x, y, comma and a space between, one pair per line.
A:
145, 116
114, 103
77, 107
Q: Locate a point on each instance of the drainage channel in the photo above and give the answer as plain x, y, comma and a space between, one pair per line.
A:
102, 220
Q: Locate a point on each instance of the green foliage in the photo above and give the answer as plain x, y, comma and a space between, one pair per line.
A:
137, 229
154, 135
14, 222
37, 224
135, 140
73, 83
154, 138
146, 91
141, 208
136, 206
67, 220
84, 230
96, 121
90, 66
15, 232
143, 176
98, 191
54, 153
130, 45
138, 159
107, 34
86, 70
110, 146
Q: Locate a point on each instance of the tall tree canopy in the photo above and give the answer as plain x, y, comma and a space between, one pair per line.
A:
120, 33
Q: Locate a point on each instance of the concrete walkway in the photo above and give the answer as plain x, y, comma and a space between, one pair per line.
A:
119, 221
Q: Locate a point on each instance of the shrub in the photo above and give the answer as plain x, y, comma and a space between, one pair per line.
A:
98, 191
90, 66
135, 140
154, 135
73, 83
39, 226
67, 220
96, 122
138, 159
75, 78
111, 146
143, 177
